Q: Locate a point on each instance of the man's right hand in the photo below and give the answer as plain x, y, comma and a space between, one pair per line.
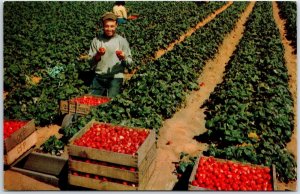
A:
101, 51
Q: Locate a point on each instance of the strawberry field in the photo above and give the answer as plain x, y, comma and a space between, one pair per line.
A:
249, 115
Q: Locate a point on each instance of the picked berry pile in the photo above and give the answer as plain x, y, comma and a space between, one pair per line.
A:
11, 126
132, 169
227, 176
103, 179
113, 138
90, 100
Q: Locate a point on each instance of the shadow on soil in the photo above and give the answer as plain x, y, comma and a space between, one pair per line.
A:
183, 182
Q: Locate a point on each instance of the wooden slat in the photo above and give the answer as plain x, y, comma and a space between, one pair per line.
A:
64, 106
193, 174
144, 182
103, 155
146, 146
97, 184
18, 136
149, 158
275, 184
101, 170
20, 149
49, 179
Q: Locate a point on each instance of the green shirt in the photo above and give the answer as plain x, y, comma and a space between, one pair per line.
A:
110, 65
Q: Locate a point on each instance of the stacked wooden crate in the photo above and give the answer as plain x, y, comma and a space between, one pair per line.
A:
107, 170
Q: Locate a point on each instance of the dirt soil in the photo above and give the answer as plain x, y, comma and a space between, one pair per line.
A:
180, 130
291, 63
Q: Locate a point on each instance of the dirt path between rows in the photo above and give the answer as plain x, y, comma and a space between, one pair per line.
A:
190, 121
189, 32
291, 63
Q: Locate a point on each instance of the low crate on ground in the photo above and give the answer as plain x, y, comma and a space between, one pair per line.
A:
44, 167
20, 149
18, 136
142, 161
67, 106
194, 172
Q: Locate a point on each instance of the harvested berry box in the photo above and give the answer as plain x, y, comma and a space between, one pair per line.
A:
218, 174
15, 132
83, 104
116, 157
20, 148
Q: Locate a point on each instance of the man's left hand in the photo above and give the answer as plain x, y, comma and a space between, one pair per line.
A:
120, 54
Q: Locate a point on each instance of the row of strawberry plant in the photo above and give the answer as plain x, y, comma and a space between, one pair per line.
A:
249, 115
160, 29
288, 12
49, 38
161, 86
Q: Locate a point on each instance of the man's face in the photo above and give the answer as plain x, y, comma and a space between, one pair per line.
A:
109, 27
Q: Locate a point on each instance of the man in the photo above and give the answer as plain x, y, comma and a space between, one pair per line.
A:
110, 53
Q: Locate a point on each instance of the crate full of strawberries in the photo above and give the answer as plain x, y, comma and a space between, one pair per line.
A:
19, 136
211, 173
82, 104
115, 157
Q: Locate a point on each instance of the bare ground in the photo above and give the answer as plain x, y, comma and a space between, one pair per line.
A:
291, 63
190, 121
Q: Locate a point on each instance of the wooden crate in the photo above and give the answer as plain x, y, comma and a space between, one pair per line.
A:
194, 172
67, 106
43, 167
18, 136
20, 149
108, 185
115, 172
141, 161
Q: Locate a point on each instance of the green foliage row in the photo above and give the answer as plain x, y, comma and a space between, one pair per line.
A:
288, 11
254, 98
